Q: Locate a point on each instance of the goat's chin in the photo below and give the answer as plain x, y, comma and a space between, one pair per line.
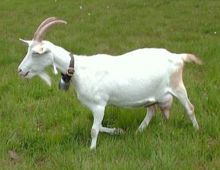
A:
28, 75
45, 77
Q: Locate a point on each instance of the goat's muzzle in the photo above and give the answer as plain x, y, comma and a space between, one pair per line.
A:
23, 74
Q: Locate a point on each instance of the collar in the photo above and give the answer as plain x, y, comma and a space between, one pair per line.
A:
70, 71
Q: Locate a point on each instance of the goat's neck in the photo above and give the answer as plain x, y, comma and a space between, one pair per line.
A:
61, 58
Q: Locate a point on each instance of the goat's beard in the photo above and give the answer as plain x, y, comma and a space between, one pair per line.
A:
45, 77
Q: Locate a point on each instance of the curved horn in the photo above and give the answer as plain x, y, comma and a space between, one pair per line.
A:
39, 36
46, 21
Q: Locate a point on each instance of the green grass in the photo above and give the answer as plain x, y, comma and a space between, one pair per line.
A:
50, 129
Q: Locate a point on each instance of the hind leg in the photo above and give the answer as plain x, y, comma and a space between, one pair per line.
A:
150, 113
181, 94
165, 105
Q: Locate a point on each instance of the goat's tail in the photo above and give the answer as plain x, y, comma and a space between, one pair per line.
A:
191, 58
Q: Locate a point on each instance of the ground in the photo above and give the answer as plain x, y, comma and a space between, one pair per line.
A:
44, 128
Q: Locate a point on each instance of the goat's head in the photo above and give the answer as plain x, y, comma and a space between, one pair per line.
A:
39, 54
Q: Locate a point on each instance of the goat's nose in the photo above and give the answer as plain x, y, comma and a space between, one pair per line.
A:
19, 70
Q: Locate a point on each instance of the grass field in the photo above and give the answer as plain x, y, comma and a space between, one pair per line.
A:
44, 128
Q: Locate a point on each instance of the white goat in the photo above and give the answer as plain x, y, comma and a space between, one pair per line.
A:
140, 78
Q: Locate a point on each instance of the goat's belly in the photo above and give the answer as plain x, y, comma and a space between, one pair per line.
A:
135, 103
135, 98
138, 95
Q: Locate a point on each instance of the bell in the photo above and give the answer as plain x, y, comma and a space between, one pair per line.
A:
64, 85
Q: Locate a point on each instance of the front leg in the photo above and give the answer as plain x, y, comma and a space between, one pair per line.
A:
98, 114
112, 131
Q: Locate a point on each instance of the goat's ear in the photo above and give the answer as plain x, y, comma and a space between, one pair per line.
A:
26, 42
40, 49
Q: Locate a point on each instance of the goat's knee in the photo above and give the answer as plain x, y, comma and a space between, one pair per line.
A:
191, 108
93, 133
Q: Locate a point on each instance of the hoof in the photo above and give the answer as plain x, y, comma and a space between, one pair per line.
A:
92, 148
196, 127
139, 130
119, 131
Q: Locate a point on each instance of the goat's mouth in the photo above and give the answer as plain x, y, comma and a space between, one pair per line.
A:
24, 75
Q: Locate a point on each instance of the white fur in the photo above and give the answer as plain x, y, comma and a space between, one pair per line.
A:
134, 79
